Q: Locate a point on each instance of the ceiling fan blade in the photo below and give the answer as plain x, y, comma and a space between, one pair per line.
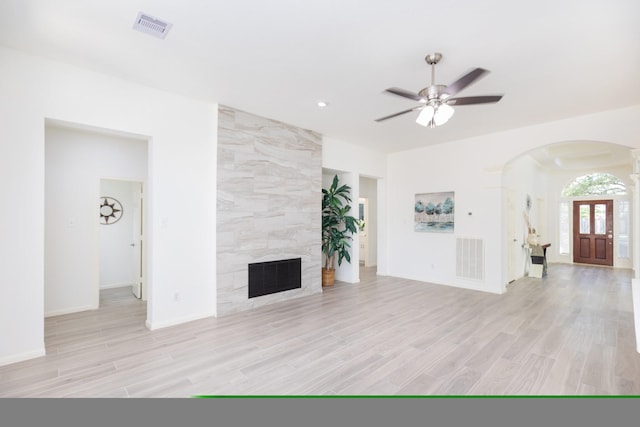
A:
406, 94
469, 100
400, 113
465, 81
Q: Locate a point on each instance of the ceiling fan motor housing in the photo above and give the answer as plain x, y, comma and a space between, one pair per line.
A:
432, 92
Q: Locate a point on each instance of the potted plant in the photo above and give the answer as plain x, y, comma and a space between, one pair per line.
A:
337, 228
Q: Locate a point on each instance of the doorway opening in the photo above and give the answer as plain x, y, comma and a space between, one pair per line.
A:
540, 188
368, 226
121, 236
363, 217
84, 168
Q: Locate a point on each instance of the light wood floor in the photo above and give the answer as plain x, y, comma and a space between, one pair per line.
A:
570, 333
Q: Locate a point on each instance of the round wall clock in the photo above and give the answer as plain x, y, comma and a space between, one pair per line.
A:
110, 211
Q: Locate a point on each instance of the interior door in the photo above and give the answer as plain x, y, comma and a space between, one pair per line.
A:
593, 232
136, 243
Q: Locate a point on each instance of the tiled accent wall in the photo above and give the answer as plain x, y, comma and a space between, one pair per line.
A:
269, 204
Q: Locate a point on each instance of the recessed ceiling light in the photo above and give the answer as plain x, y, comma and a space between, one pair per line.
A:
322, 104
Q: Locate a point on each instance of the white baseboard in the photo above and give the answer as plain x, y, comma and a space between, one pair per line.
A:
115, 285
470, 286
635, 293
152, 326
70, 310
22, 357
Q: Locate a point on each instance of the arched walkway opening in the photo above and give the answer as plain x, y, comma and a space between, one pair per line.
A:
541, 187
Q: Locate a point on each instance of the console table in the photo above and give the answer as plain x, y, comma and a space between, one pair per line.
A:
538, 260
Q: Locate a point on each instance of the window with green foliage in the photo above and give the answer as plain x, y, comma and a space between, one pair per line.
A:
598, 185
595, 184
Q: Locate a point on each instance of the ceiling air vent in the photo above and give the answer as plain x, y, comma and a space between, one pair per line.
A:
150, 25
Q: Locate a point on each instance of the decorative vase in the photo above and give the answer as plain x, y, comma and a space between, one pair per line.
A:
328, 276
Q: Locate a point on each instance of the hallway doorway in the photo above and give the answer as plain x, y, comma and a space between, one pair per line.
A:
121, 237
368, 222
77, 159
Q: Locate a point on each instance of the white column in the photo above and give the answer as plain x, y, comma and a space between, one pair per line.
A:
350, 272
635, 229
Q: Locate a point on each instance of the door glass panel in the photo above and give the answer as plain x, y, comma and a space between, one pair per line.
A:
600, 219
585, 216
564, 244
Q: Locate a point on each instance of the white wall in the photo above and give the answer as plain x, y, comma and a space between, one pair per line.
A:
21, 227
75, 161
523, 177
181, 192
430, 257
473, 169
117, 256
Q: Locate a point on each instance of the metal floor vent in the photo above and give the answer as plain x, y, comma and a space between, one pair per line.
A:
470, 258
150, 25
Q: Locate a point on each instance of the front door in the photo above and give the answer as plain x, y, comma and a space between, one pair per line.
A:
593, 232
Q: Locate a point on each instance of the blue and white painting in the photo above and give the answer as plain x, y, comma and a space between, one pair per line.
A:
434, 212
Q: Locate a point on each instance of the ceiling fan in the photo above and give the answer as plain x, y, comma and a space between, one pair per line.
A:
437, 100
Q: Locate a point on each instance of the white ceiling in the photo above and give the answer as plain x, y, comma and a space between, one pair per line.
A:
582, 155
551, 59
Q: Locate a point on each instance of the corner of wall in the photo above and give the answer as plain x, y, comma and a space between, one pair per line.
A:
39, 352
152, 326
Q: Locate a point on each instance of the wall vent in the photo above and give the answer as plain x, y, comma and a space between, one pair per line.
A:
470, 258
150, 25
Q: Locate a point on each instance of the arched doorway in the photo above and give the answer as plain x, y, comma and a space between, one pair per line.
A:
533, 184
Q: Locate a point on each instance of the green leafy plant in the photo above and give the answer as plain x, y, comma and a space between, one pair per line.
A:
337, 224
595, 184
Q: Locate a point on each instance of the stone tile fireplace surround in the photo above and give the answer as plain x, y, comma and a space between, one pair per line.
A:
268, 207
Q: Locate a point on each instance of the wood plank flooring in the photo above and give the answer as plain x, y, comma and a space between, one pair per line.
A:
570, 333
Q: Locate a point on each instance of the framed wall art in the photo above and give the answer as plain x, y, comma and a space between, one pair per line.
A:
434, 212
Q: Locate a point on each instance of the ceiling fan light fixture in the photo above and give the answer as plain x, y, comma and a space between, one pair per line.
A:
432, 116
426, 115
442, 114
440, 98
